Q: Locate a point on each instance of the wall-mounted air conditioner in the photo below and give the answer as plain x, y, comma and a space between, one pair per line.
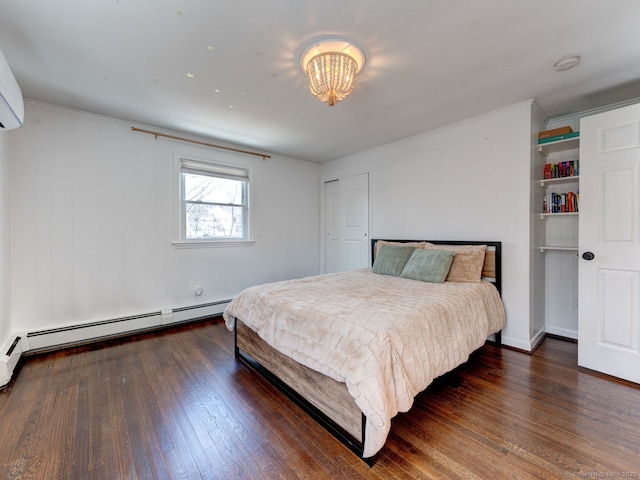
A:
11, 102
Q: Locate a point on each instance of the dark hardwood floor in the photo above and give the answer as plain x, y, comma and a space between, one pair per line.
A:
177, 404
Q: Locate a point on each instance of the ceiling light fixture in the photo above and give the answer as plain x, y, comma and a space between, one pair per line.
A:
331, 63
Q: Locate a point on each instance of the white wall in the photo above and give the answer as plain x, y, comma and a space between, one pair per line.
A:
93, 221
467, 181
5, 240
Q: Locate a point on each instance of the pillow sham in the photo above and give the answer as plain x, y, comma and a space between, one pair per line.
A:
467, 263
380, 243
391, 259
428, 265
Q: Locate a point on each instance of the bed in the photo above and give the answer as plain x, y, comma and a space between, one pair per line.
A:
354, 348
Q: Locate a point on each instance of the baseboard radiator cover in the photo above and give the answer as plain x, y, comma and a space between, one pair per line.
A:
55, 338
63, 337
9, 359
197, 312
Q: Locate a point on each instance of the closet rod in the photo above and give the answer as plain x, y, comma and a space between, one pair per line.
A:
158, 134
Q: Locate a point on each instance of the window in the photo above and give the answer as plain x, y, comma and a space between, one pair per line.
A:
214, 202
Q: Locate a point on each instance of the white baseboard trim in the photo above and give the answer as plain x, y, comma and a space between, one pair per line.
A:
9, 357
562, 332
537, 339
529, 346
516, 343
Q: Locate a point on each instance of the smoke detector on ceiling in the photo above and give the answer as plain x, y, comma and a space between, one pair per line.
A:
567, 63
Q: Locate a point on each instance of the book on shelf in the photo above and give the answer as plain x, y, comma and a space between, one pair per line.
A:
561, 202
561, 169
554, 132
555, 138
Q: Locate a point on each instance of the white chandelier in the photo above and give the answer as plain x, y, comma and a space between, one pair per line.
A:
331, 65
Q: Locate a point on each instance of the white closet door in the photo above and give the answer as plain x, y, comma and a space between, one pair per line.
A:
609, 283
347, 223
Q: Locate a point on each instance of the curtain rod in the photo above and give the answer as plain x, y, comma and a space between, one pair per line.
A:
158, 134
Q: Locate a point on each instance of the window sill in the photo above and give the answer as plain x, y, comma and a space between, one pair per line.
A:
211, 243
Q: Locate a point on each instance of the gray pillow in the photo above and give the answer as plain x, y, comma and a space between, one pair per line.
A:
428, 265
391, 259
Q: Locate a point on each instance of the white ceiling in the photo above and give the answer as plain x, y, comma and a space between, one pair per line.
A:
429, 63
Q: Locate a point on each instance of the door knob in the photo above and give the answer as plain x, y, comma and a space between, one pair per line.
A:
588, 255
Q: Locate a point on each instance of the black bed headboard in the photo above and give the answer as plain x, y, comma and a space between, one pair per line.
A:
494, 254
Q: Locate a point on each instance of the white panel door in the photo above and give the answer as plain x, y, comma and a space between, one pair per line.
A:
609, 283
333, 224
347, 221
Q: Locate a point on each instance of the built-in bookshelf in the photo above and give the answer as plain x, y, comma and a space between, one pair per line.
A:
560, 195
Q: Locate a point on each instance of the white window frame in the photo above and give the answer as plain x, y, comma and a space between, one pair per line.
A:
187, 164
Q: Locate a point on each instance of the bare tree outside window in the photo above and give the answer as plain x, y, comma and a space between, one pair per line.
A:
214, 205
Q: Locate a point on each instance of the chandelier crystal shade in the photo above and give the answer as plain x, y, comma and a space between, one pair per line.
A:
332, 76
332, 65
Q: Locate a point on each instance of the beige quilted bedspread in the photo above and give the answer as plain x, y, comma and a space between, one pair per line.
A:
385, 337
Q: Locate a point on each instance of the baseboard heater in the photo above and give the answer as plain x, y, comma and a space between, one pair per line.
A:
9, 360
56, 338
78, 334
197, 312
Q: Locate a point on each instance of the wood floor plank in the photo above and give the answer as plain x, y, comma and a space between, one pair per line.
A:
177, 404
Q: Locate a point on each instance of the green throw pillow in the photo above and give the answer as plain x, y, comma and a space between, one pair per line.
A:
428, 265
390, 260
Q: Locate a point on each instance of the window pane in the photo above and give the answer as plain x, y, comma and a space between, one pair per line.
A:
203, 188
214, 221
